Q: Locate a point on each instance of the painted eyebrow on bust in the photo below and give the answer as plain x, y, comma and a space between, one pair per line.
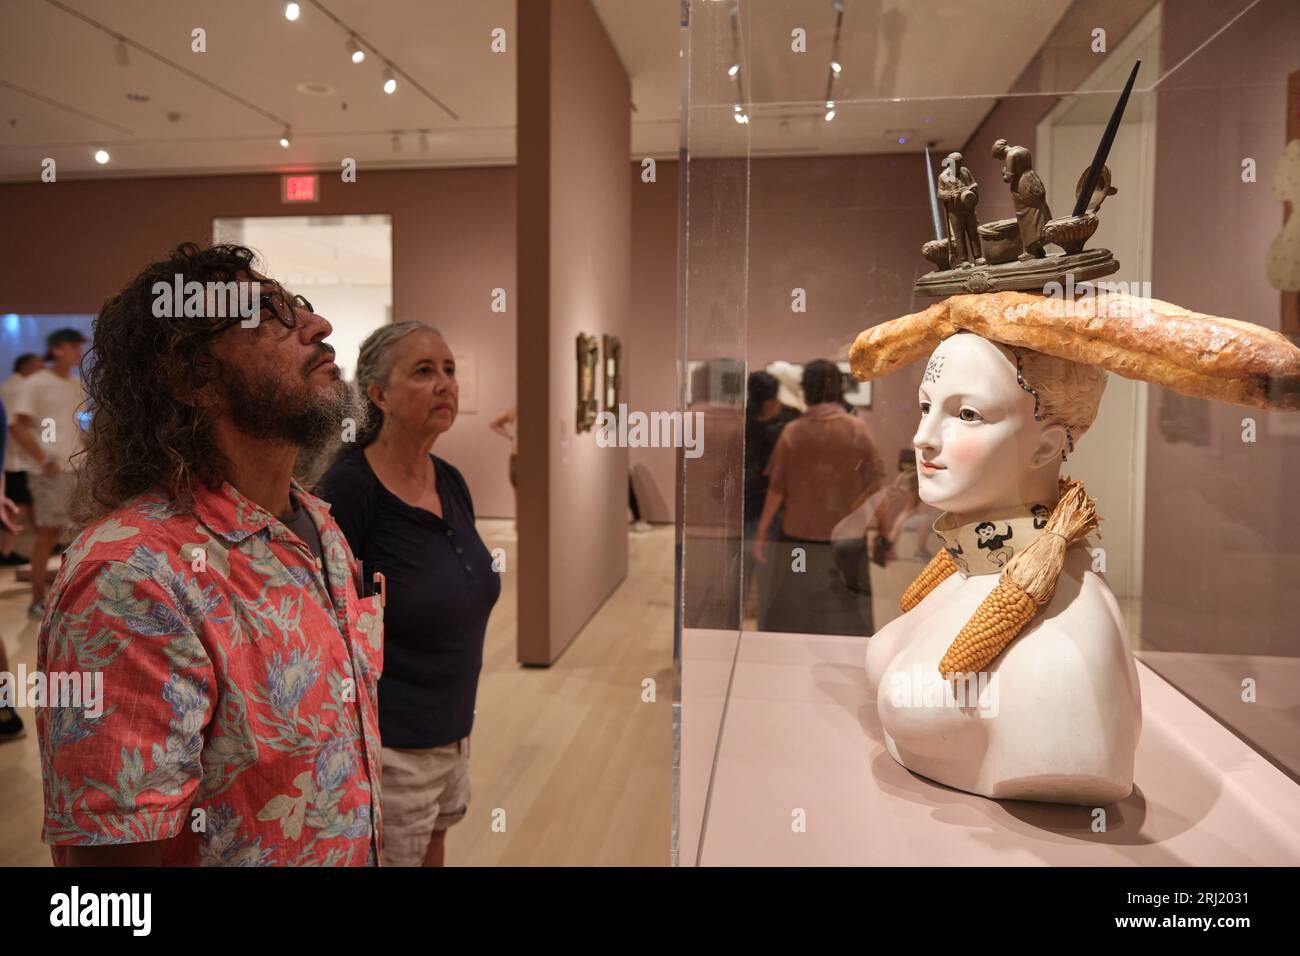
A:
970, 398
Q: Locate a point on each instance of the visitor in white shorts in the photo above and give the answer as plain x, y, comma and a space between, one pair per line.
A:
425, 791
51, 495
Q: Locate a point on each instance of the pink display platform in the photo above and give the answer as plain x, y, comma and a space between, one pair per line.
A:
800, 733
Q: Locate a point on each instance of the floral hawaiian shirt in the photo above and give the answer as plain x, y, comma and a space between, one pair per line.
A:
239, 718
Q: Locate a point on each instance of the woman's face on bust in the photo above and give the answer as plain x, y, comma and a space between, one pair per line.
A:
977, 443
422, 396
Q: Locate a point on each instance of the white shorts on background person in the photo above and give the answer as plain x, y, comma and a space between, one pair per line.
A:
51, 496
425, 790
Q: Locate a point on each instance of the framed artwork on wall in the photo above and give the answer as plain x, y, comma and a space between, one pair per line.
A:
613, 352
588, 359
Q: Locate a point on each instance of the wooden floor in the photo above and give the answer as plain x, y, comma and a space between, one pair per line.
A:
569, 757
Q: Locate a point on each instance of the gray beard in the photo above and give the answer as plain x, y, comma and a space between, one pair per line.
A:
310, 418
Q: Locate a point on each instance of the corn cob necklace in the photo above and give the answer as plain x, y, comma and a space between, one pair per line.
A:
1029, 571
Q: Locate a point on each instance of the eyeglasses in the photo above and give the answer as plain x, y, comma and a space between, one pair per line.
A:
273, 302
270, 300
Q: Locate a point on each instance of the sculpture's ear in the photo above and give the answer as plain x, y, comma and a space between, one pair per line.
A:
1051, 443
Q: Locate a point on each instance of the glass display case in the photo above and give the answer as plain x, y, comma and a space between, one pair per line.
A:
814, 135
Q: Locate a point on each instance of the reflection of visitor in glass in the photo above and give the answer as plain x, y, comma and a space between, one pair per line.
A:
507, 426
824, 466
765, 418
408, 514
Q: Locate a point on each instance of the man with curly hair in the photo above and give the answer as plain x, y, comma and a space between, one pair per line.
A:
217, 597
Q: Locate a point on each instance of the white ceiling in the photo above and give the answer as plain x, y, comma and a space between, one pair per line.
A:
916, 65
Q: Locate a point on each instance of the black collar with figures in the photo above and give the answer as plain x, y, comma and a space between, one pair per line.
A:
985, 545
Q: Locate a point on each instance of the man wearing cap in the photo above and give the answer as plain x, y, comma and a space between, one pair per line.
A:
45, 426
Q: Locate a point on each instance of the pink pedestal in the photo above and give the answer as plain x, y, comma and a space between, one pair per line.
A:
800, 733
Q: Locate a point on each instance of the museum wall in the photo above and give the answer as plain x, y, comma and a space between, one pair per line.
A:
1230, 503
650, 348
848, 230
574, 233
66, 247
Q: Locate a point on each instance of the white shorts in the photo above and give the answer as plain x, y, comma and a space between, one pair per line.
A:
424, 790
51, 496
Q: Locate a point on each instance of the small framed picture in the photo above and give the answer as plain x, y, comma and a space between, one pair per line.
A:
613, 352
588, 359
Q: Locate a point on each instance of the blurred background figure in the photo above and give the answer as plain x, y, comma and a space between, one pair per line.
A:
11, 725
17, 463
507, 426
408, 516
896, 528
823, 468
45, 426
765, 416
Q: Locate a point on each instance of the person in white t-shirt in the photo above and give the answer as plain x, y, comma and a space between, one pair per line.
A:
45, 425
17, 462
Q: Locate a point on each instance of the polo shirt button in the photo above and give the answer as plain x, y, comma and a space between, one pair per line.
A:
450, 533
460, 550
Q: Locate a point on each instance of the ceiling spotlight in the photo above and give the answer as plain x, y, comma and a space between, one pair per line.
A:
735, 68
830, 110
739, 114
354, 50
397, 143
284, 139
101, 156
120, 53
424, 140
835, 67
291, 11
390, 81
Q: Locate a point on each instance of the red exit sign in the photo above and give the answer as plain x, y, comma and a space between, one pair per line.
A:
300, 188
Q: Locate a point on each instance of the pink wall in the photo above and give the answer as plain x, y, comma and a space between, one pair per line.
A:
1223, 518
848, 230
574, 230
650, 348
65, 247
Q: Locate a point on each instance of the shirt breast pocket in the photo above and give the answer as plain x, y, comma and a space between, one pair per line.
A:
366, 624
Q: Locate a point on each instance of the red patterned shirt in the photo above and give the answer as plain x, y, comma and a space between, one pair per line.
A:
239, 719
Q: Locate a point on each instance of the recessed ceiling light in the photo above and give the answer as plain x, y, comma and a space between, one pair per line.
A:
312, 88
101, 156
291, 11
138, 97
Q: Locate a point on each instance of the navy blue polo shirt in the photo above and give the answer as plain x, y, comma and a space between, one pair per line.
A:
440, 587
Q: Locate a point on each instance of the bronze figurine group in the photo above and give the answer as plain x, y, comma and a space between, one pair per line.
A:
1011, 253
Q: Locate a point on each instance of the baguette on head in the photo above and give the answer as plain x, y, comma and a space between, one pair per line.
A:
1145, 339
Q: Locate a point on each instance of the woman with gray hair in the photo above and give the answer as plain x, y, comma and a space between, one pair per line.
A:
408, 515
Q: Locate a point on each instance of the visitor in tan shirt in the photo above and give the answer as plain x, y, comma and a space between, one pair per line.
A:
824, 464
823, 468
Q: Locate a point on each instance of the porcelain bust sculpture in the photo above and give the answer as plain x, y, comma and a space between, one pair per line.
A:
1057, 715
1009, 673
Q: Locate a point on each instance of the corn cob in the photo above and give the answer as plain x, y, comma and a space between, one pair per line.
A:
1027, 583
939, 568
998, 619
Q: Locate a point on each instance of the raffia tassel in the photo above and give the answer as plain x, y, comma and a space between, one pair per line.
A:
941, 566
1027, 583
